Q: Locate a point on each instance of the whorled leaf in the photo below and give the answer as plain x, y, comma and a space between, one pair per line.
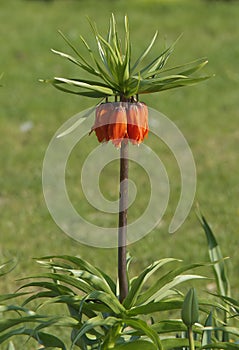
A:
144, 329
137, 283
92, 324
107, 299
163, 286
150, 308
68, 262
61, 278
169, 326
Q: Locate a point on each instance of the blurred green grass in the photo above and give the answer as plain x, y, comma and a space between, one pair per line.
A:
207, 115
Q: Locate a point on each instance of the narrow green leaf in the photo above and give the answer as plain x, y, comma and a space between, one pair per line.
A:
161, 60
69, 43
195, 64
10, 333
85, 342
137, 344
86, 64
50, 340
155, 67
138, 282
202, 63
166, 290
7, 266
109, 34
230, 330
108, 61
76, 261
169, 326
86, 81
163, 280
112, 63
108, 280
165, 79
5, 297
94, 281
190, 309
38, 296
97, 88
229, 301
177, 343
105, 76
82, 117
59, 321
217, 258
92, 94
221, 346
143, 327
108, 299
19, 309
146, 87
145, 52
115, 39
59, 289
127, 55
147, 309
109, 53
95, 306
207, 334
116, 59
72, 300
69, 280
157, 62
94, 323
212, 303
6, 324
87, 68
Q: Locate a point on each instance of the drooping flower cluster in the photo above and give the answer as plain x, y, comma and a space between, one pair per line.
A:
115, 121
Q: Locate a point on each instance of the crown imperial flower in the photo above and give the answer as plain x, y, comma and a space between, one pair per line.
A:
115, 121
115, 75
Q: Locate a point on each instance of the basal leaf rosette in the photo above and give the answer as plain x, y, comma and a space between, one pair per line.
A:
114, 76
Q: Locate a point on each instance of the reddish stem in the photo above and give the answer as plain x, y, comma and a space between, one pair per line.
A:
122, 231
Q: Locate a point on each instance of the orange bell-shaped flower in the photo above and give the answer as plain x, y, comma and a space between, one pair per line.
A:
121, 120
117, 129
102, 116
137, 122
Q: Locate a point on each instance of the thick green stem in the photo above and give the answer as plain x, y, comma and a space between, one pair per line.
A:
122, 231
191, 339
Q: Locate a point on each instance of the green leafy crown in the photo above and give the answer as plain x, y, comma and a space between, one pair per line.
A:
115, 75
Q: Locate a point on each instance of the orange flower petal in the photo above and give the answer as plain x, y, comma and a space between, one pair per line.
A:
102, 115
137, 119
117, 129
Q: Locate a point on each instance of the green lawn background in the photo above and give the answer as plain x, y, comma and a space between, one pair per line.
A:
207, 115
